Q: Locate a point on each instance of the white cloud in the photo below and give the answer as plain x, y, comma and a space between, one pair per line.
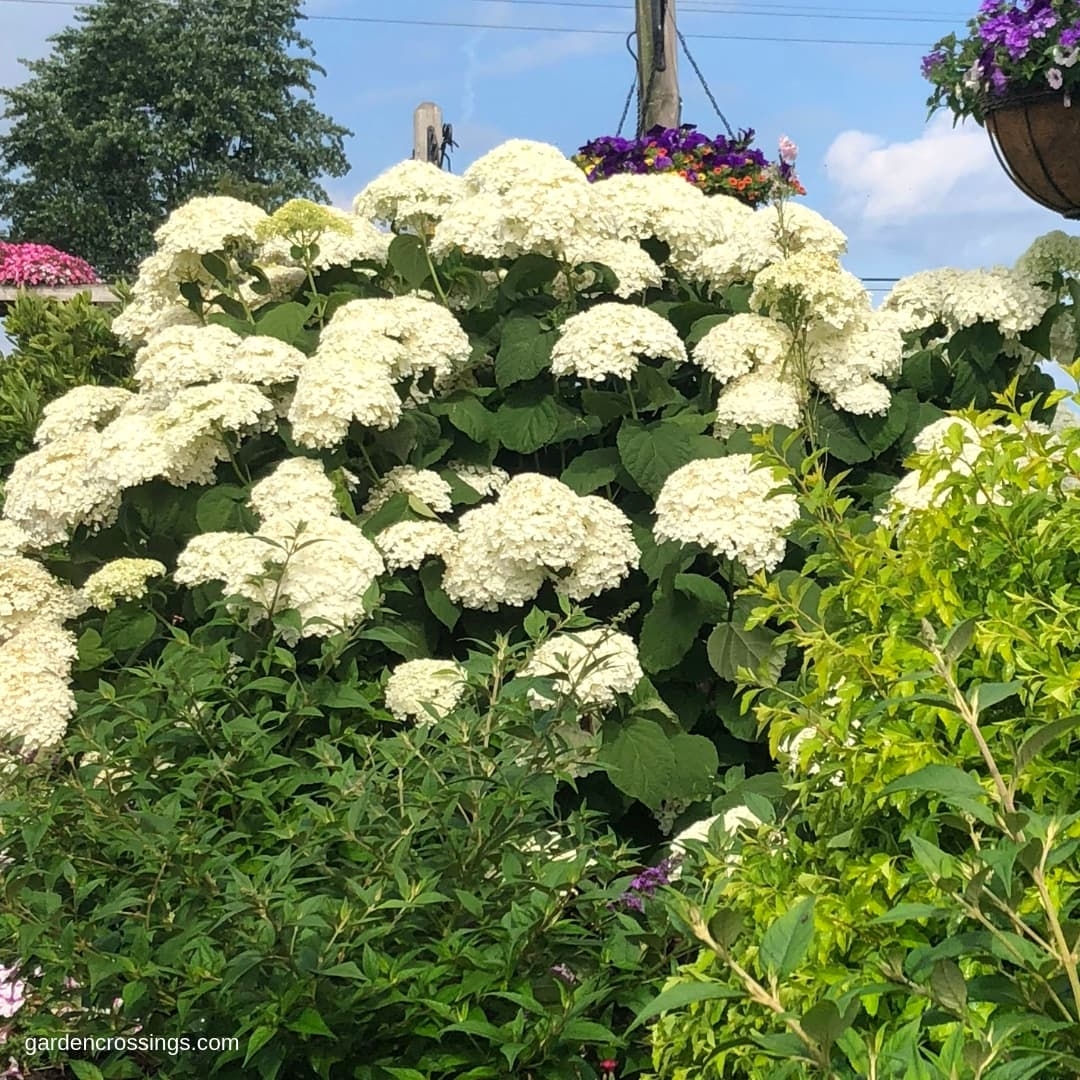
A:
945, 170
939, 199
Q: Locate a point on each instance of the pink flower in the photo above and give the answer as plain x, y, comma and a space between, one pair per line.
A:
12, 991
39, 264
788, 150
1053, 77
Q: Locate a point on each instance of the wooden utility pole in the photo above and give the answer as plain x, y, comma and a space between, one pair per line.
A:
428, 133
658, 74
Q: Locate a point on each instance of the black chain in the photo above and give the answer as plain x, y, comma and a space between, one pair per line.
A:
708, 92
626, 108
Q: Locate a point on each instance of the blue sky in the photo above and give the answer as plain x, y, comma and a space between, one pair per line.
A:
910, 194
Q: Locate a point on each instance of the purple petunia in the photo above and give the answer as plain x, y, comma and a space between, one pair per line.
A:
932, 61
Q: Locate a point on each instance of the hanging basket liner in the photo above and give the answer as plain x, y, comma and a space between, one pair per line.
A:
1036, 137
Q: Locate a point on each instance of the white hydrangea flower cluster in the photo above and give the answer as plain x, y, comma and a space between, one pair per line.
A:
847, 366
608, 339
298, 488
13, 540
424, 484
207, 224
366, 348
183, 356
78, 479
664, 207
914, 492
83, 408
121, 579
348, 238
1054, 251
425, 690
409, 543
315, 562
201, 226
36, 653
961, 298
524, 197
742, 343
634, 268
590, 666
724, 505
730, 823
760, 398
828, 296
156, 302
538, 529
413, 194
483, 479
765, 237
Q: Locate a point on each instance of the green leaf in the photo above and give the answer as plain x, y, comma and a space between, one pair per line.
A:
1039, 740
787, 940
282, 321
127, 628
731, 647
926, 373
524, 350
309, 1022
221, 509
714, 600
347, 970
696, 766
980, 344
652, 453
527, 420
407, 257
681, 995
470, 417
669, 629
948, 986
84, 1070
605, 404
987, 694
906, 912
969, 388
702, 326
442, 607
640, 761
958, 639
587, 1031
259, 1038
651, 390
528, 273
945, 780
825, 1024
836, 432
592, 469
881, 432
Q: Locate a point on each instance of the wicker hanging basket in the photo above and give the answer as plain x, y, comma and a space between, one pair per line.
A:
1036, 137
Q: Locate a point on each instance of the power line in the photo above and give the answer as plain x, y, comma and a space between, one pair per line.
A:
594, 31
757, 11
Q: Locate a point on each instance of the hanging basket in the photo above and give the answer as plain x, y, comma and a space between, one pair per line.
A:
1035, 134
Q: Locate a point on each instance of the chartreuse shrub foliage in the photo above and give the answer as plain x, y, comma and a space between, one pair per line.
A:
911, 907
382, 450
56, 346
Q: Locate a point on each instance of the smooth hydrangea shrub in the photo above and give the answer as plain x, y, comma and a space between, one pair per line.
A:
475, 400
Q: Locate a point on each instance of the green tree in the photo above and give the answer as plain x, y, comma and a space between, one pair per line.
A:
144, 104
